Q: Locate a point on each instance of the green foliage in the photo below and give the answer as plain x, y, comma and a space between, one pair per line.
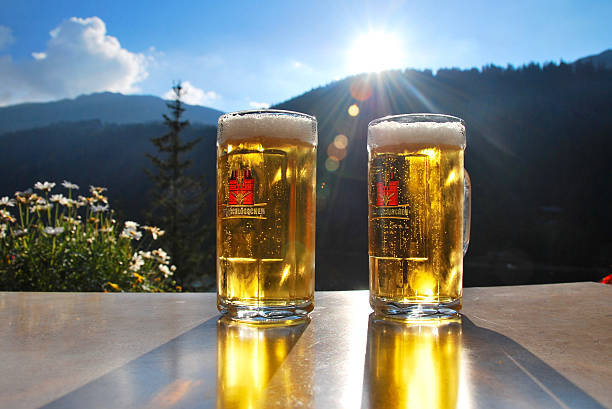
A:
179, 199
52, 242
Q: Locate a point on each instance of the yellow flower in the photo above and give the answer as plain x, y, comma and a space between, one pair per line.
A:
114, 286
179, 288
139, 278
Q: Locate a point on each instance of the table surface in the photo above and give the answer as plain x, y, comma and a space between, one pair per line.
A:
515, 347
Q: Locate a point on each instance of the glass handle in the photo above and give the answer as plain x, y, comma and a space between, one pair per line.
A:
467, 210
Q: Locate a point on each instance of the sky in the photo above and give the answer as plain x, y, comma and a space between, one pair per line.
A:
234, 55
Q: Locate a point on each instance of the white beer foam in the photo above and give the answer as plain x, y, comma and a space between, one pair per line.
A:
436, 133
271, 125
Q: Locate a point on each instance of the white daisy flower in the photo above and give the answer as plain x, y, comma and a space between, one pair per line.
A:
45, 186
155, 231
69, 185
56, 198
164, 269
128, 233
5, 201
53, 231
96, 209
67, 202
131, 225
137, 262
41, 207
19, 233
161, 255
96, 190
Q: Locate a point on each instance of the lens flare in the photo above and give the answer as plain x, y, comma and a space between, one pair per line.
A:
361, 89
334, 152
341, 141
353, 110
332, 164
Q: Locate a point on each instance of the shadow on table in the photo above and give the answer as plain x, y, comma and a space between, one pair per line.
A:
449, 364
184, 372
420, 365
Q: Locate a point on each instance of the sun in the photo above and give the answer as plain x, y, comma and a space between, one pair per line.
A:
375, 51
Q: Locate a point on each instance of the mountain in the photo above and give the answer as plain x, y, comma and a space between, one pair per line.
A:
603, 59
94, 153
538, 153
107, 107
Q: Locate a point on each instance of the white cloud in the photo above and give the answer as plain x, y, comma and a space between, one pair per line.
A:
153, 50
299, 66
80, 58
259, 105
193, 95
6, 37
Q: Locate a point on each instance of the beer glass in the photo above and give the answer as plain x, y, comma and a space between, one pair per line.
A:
266, 185
418, 215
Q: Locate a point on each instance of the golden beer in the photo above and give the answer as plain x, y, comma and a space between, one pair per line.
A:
413, 365
253, 369
266, 176
416, 215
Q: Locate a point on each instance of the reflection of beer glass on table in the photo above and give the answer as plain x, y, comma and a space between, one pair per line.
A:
253, 368
415, 364
266, 177
418, 196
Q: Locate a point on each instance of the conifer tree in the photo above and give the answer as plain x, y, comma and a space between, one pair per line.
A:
179, 198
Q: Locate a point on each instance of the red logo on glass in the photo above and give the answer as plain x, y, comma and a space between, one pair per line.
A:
386, 190
241, 188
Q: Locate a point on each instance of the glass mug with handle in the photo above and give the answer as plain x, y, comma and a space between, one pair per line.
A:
419, 215
266, 186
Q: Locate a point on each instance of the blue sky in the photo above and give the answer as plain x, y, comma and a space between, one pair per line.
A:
242, 54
